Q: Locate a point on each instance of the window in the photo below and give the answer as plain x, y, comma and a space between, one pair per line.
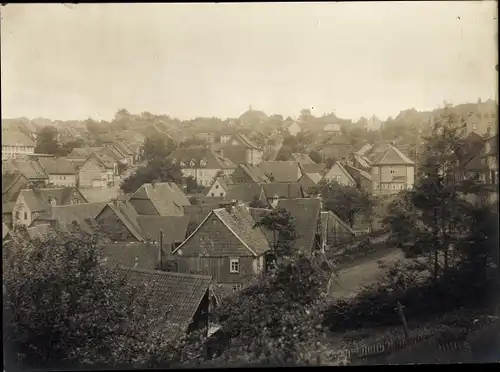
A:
392, 170
221, 194
213, 194
182, 164
17, 215
474, 126
236, 287
234, 265
216, 187
192, 163
375, 170
25, 215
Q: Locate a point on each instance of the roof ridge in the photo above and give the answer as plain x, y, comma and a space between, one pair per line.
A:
165, 273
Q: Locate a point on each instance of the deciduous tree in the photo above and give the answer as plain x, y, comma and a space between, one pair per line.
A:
47, 143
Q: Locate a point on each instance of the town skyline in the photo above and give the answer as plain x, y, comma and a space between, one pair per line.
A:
179, 59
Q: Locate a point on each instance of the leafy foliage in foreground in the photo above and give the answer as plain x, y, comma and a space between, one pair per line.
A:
63, 308
277, 319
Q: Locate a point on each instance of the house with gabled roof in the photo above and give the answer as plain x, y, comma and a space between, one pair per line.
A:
339, 174
246, 173
294, 129
16, 144
118, 221
160, 199
332, 129
32, 203
98, 171
306, 213
392, 171
12, 184
309, 180
241, 150
201, 163
29, 168
281, 171
59, 170
219, 187
363, 178
335, 232
64, 216
183, 299
301, 158
225, 245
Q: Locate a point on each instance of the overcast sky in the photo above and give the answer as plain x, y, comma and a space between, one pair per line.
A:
189, 60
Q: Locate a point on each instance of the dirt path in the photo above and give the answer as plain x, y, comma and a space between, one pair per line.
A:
363, 272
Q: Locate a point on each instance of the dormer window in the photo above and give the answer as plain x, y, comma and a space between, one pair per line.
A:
182, 164
203, 163
192, 163
52, 201
173, 161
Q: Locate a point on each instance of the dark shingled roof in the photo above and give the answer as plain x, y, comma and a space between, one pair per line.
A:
255, 173
67, 214
301, 158
282, 171
100, 195
306, 214
139, 255
39, 200
179, 294
240, 222
199, 153
174, 227
57, 166
320, 168
244, 192
167, 197
283, 190
197, 213
31, 169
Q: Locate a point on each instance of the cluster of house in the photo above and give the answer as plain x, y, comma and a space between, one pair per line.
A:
195, 250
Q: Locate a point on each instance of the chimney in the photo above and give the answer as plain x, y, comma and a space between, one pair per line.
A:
227, 205
153, 183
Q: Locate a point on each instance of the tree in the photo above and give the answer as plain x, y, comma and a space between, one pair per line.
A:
158, 170
93, 127
47, 143
192, 187
257, 203
315, 156
435, 216
67, 147
63, 308
277, 318
306, 115
282, 224
157, 147
345, 201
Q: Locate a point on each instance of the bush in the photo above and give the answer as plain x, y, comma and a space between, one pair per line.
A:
409, 284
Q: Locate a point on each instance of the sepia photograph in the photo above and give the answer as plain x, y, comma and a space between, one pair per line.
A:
217, 185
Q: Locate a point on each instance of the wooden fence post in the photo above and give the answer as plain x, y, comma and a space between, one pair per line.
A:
403, 320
